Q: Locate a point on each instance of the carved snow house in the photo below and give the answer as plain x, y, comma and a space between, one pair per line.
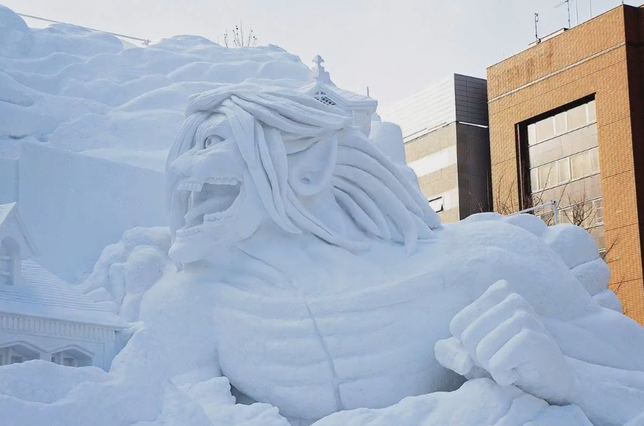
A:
360, 107
43, 317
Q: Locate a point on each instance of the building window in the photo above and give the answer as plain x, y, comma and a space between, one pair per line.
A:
587, 214
598, 206
578, 166
594, 160
576, 117
563, 170
592, 113
436, 204
545, 129
564, 122
534, 179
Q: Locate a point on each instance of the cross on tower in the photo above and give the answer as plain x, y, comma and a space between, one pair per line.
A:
319, 73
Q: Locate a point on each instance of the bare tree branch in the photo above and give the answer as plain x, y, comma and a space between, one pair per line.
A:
238, 37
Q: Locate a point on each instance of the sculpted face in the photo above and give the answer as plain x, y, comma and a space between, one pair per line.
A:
244, 158
223, 206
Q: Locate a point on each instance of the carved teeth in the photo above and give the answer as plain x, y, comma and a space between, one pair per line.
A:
190, 186
182, 233
223, 181
213, 216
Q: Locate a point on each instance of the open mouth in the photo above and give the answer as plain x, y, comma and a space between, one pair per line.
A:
213, 201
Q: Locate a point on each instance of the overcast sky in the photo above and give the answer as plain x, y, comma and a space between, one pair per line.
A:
396, 47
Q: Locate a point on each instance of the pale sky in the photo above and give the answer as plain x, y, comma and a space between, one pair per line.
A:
396, 47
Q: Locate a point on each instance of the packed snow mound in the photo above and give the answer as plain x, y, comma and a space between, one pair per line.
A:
503, 406
40, 381
81, 91
576, 248
129, 268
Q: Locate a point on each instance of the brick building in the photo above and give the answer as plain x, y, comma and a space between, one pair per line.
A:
567, 124
447, 144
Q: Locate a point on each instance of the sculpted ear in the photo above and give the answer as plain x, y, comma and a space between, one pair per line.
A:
309, 171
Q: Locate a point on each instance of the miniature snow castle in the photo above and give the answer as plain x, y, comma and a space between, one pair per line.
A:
42, 317
360, 107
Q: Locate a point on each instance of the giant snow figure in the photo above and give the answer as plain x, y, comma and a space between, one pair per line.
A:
336, 287
311, 275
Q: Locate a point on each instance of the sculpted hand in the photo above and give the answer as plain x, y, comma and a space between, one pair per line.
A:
501, 334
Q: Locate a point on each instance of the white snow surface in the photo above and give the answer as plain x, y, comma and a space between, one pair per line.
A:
373, 314
82, 91
70, 89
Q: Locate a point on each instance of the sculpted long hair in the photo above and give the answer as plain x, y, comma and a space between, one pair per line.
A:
294, 146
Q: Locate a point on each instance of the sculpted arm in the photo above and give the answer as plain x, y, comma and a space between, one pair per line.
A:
609, 396
500, 335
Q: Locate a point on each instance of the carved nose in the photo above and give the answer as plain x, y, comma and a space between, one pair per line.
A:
180, 166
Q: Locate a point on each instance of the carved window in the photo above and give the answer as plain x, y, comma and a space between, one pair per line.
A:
18, 353
71, 358
324, 98
9, 256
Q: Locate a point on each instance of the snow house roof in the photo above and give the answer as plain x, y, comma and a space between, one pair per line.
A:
5, 209
11, 224
324, 90
42, 294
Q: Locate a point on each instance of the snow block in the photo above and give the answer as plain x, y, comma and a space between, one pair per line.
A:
75, 205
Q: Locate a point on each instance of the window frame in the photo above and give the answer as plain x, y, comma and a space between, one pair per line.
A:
442, 203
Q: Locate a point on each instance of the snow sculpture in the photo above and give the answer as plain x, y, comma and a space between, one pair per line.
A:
312, 277
335, 286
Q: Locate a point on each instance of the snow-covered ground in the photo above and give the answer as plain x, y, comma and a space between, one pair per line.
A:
293, 318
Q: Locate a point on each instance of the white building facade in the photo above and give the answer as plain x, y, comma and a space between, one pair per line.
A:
41, 316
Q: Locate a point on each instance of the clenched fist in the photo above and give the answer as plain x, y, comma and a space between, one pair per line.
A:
500, 334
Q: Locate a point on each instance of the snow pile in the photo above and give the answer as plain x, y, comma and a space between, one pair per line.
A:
487, 404
129, 268
81, 91
67, 94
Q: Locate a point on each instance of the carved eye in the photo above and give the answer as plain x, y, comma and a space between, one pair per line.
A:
211, 140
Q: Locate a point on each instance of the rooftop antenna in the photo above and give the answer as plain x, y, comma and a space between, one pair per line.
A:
368, 91
590, 6
536, 27
567, 3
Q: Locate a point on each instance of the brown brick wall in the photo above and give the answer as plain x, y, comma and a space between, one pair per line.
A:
601, 57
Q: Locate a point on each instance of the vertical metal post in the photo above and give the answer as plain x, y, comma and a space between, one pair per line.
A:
555, 207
